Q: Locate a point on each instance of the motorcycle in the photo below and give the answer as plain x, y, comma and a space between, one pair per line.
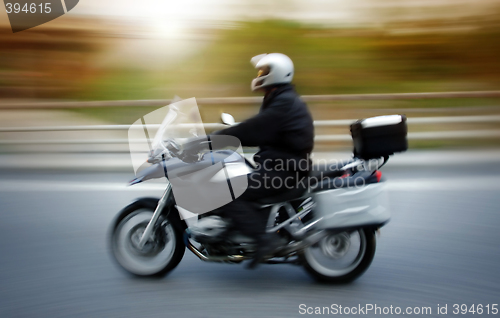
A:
328, 227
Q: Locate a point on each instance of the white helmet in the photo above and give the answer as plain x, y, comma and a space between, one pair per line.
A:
274, 68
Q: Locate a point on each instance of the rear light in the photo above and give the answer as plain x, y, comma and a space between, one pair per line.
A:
378, 175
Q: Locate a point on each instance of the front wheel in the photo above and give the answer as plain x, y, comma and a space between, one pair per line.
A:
161, 253
340, 257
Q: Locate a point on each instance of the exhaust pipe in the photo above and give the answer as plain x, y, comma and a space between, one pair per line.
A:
205, 258
291, 248
308, 241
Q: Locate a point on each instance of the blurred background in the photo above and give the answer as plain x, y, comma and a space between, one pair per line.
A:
109, 50
70, 87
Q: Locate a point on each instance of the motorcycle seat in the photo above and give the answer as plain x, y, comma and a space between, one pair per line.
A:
283, 197
330, 170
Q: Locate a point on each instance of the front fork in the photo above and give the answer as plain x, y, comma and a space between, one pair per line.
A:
159, 208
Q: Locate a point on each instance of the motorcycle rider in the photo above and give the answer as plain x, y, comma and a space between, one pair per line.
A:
283, 130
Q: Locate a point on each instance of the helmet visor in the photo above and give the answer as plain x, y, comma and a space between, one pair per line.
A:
255, 60
263, 71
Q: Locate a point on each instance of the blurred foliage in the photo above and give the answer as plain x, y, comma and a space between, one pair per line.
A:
358, 61
403, 57
328, 61
122, 84
46, 63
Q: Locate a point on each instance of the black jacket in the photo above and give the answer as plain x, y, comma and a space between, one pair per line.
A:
283, 130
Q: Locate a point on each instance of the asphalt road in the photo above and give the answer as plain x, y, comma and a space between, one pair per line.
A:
440, 248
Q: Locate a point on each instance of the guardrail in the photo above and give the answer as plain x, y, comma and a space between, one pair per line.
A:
319, 123
248, 100
434, 135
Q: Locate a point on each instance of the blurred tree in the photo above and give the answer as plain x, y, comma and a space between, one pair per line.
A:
47, 62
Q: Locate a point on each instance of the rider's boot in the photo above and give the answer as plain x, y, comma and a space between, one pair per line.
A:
267, 244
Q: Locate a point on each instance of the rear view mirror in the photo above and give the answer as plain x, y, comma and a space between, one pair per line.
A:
227, 119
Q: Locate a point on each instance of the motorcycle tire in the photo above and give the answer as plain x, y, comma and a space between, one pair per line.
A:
160, 255
330, 261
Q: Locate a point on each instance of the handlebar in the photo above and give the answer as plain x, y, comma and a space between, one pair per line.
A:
188, 152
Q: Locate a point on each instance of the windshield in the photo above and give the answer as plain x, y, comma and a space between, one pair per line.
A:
151, 133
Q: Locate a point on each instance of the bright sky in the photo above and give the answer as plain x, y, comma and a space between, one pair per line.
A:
181, 13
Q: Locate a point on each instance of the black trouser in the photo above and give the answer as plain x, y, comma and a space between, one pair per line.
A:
243, 211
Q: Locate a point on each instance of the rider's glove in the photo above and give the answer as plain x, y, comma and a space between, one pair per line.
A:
191, 149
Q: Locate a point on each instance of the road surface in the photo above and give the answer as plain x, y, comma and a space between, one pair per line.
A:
440, 248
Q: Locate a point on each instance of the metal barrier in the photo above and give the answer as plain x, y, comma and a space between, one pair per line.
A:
255, 100
319, 123
248, 100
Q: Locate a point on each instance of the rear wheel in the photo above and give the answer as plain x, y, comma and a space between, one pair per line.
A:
340, 257
161, 253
